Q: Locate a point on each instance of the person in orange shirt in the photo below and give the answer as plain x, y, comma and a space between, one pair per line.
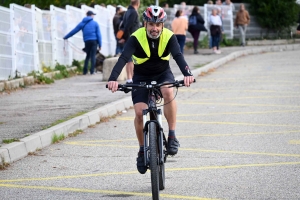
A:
179, 27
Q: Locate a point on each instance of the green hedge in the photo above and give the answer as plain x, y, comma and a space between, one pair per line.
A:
275, 15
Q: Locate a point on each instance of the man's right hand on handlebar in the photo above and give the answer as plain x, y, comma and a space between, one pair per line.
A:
112, 85
188, 80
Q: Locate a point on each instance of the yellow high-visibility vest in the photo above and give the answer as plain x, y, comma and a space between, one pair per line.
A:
141, 36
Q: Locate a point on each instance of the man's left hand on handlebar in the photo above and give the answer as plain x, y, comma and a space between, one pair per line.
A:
188, 80
112, 85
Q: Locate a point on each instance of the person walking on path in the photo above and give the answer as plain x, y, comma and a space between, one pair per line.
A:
116, 25
215, 30
151, 48
179, 27
92, 38
196, 24
130, 24
241, 21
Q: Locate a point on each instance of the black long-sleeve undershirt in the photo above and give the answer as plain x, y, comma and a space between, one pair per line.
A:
153, 66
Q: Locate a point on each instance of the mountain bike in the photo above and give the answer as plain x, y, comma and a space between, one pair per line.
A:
155, 143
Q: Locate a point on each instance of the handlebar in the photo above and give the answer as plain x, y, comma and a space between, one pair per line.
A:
153, 85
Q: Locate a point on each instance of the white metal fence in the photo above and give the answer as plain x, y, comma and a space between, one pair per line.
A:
75, 15
24, 43
43, 21
61, 51
31, 38
6, 39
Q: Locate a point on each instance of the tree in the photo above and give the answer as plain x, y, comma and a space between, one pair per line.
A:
276, 15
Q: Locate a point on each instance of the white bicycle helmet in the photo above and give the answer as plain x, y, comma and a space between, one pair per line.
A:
155, 14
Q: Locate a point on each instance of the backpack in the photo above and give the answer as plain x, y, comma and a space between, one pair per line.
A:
192, 20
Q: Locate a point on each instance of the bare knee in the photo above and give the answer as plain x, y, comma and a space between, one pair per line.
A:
138, 108
139, 117
167, 94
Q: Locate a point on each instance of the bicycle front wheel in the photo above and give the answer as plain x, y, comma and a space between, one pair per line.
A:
162, 176
162, 150
154, 165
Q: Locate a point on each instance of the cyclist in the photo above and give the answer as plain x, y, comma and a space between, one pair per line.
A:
150, 48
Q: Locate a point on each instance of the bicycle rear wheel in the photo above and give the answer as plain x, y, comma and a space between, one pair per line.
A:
154, 166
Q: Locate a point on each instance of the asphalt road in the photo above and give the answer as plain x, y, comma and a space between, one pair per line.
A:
27, 111
239, 131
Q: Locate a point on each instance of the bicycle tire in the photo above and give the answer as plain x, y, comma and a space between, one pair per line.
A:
154, 167
161, 165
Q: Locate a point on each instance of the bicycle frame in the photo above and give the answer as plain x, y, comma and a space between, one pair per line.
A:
154, 113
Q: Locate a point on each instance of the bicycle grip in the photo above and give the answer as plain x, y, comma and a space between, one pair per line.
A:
119, 86
182, 81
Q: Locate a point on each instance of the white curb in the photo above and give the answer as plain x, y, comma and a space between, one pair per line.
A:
16, 151
4, 155
45, 136
32, 143
2, 86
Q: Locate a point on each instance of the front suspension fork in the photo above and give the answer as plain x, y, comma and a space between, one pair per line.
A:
160, 135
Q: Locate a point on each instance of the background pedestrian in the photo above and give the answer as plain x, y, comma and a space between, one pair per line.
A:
179, 27
117, 20
92, 39
130, 24
215, 30
196, 24
241, 22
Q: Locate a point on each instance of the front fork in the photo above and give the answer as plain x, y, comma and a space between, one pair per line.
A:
160, 135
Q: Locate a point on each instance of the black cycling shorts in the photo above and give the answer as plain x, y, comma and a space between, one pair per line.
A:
141, 94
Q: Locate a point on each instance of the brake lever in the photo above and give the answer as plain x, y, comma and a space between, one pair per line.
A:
126, 90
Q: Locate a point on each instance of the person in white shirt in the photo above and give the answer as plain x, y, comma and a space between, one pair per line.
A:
215, 30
